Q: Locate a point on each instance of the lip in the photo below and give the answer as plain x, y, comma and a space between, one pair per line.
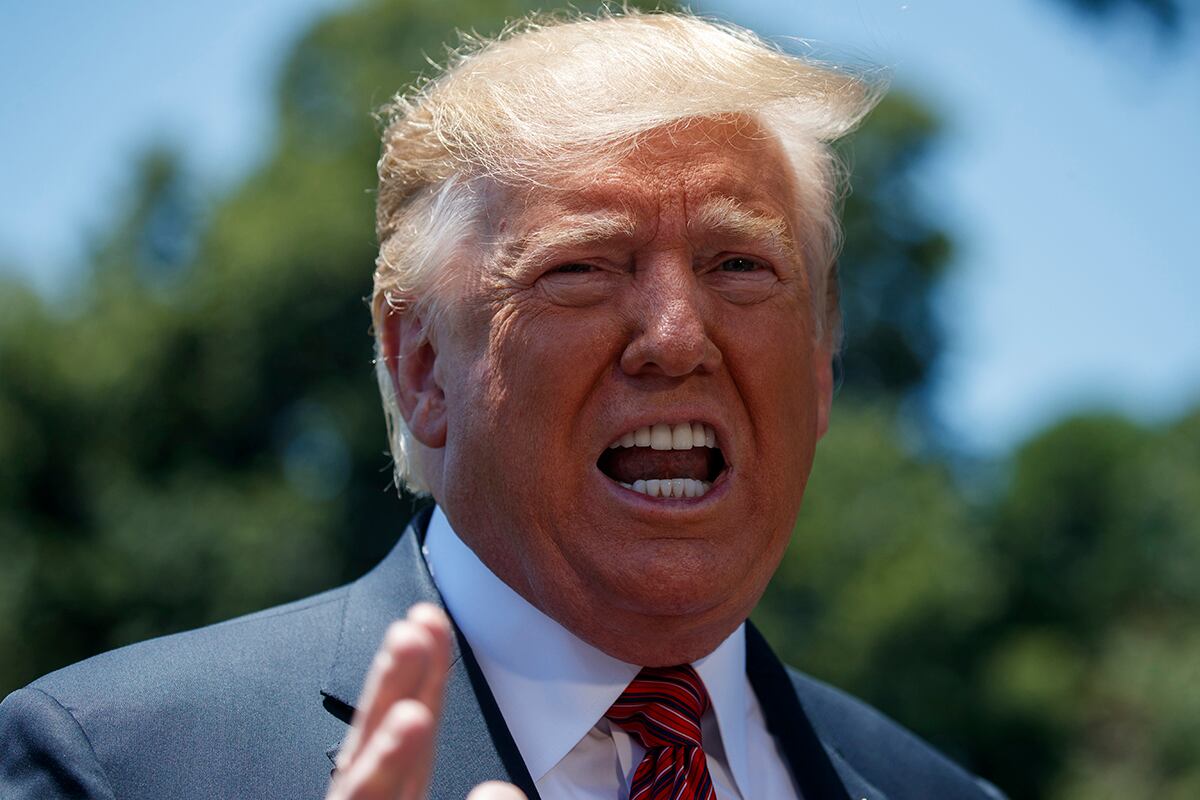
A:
676, 509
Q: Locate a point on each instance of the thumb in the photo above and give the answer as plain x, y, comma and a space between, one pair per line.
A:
494, 790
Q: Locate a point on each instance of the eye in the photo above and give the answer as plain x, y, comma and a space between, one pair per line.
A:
574, 269
742, 280
739, 264
578, 283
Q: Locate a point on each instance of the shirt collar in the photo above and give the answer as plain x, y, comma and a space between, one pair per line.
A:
724, 674
550, 685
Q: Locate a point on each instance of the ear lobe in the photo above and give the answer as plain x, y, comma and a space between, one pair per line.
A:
411, 360
823, 383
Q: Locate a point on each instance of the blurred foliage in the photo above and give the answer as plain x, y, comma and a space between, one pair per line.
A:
193, 432
894, 255
1166, 15
1048, 637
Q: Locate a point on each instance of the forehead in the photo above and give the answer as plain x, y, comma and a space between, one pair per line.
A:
666, 173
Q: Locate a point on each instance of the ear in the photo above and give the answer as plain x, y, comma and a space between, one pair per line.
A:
823, 383
411, 358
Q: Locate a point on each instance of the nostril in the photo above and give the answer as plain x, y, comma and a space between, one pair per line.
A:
670, 355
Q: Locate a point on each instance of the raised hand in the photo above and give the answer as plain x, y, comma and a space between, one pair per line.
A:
388, 754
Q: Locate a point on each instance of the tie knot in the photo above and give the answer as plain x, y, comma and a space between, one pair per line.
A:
662, 707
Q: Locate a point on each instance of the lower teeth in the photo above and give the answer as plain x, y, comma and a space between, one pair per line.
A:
670, 487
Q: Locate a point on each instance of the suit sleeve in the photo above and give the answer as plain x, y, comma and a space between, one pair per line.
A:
44, 753
991, 790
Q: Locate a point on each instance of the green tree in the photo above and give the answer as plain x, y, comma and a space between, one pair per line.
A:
1045, 635
894, 257
1092, 669
1167, 16
887, 579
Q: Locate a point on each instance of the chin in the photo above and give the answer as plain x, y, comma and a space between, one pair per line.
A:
670, 640
680, 589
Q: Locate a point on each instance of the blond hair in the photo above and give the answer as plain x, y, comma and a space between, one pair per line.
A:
551, 96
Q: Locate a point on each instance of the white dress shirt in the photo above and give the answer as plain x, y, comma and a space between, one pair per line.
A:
554, 689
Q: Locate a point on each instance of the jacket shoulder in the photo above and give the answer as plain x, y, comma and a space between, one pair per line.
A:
45, 753
194, 714
887, 756
274, 644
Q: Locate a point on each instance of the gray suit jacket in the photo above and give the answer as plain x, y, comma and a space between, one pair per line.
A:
256, 708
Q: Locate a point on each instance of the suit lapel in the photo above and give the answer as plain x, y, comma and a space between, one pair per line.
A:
474, 744
811, 766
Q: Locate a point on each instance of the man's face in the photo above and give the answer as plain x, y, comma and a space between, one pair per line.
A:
659, 294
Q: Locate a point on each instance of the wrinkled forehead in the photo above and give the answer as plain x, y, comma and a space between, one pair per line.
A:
696, 171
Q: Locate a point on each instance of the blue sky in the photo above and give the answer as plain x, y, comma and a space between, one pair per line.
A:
1069, 175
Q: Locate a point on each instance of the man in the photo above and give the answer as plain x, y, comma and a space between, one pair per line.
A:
605, 315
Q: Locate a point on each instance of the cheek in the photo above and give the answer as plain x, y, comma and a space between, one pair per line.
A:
532, 384
553, 351
771, 360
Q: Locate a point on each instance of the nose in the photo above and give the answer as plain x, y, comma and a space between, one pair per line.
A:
671, 325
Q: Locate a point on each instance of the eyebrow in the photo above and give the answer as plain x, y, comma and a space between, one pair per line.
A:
718, 215
729, 217
567, 232
578, 229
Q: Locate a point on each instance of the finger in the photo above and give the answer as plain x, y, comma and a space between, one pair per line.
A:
494, 790
433, 620
397, 671
383, 767
436, 623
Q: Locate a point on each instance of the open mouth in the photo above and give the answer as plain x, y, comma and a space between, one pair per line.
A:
664, 460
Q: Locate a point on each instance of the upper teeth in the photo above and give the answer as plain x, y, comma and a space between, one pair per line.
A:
662, 436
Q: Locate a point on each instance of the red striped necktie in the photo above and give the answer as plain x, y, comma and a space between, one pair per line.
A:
662, 710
